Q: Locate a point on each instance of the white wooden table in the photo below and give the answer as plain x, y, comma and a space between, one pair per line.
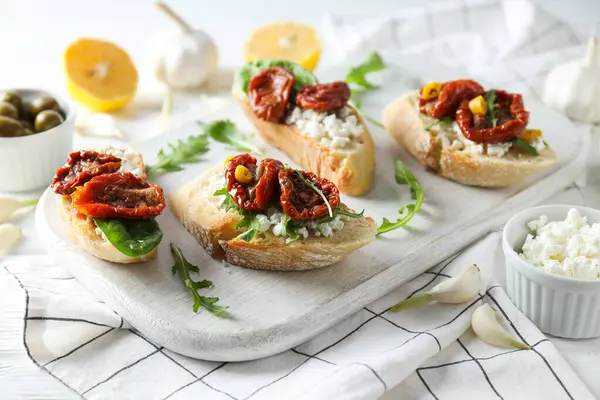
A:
38, 31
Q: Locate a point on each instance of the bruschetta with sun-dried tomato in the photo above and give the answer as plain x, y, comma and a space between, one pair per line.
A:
311, 123
108, 204
468, 134
265, 215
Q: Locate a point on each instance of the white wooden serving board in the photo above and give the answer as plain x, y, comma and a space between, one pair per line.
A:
271, 312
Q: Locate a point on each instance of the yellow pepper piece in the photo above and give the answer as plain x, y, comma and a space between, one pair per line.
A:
242, 174
227, 160
431, 90
530, 134
478, 106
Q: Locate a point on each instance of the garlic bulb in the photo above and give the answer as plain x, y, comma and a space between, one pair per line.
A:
456, 290
574, 87
9, 236
487, 328
186, 57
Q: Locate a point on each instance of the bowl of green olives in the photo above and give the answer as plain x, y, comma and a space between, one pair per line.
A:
36, 131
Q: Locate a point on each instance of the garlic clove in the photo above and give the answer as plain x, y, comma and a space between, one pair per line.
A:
459, 289
9, 206
9, 236
97, 124
487, 328
456, 290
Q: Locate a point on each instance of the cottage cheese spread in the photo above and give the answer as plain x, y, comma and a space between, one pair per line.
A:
336, 130
129, 159
570, 247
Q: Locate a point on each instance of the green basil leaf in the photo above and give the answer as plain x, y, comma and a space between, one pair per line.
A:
243, 75
132, 237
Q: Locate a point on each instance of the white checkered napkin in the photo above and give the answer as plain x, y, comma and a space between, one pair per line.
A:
57, 341
470, 33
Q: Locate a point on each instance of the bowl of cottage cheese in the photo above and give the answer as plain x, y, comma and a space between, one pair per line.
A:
553, 268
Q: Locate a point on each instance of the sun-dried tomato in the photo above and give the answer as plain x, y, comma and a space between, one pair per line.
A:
300, 201
119, 195
450, 97
256, 194
81, 166
269, 92
512, 119
324, 97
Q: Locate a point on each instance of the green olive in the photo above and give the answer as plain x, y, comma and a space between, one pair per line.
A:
47, 119
28, 131
8, 110
12, 98
10, 128
43, 103
26, 124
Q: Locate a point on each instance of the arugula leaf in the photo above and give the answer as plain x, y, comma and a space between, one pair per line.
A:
357, 76
290, 229
316, 189
132, 237
250, 222
373, 121
182, 152
404, 177
444, 122
226, 132
348, 213
183, 267
228, 203
524, 146
490, 99
242, 76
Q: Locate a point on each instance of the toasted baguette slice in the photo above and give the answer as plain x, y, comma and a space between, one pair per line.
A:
403, 121
198, 210
351, 170
84, 232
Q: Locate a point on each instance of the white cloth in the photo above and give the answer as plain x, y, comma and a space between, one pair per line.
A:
57, 341
75, 346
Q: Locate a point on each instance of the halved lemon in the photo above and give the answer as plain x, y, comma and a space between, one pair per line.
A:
289, 41
100, 75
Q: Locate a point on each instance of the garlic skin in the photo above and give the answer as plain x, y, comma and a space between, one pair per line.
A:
456, 290
487, 328
9, 206
9, 236
573, 87
185, 58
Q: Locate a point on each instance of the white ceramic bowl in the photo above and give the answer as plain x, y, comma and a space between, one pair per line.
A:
558, 305
29, 162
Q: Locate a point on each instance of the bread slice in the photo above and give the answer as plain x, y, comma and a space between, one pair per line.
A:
83, 230
198, 210
351, 170
403, 121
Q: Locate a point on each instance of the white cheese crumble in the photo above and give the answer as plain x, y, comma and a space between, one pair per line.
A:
327, 228
538, 144
130, 159
335, 130
569, 248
